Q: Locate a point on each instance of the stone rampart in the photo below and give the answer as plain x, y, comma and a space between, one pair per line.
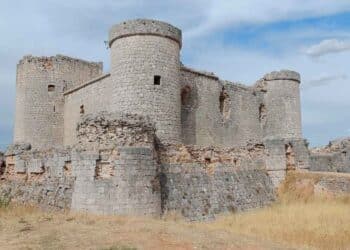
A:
118, 167
201, 182
335, 157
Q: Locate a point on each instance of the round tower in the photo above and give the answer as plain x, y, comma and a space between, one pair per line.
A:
145, 70
40, 84
282, 105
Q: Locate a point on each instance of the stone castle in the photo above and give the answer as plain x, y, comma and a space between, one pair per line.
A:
151, 136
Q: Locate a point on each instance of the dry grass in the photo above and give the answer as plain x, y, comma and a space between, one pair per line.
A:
299, 220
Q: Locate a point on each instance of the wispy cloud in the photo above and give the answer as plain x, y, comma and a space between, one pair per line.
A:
328, 46
78, 28
223, 14
323, 81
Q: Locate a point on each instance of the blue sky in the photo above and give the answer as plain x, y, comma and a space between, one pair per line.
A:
238, 40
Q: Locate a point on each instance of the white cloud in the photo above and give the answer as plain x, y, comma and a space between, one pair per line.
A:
221, 14
78, 28
328, 46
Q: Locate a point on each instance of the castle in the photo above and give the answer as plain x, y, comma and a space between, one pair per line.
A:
152, 135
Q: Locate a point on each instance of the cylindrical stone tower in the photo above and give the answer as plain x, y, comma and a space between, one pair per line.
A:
282, 103
41, 82
145, 70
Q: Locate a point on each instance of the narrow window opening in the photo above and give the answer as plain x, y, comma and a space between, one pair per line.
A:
207, 160
185, 96
224, 104
82, 111
54, 108
51, 88
262, 112
156, 80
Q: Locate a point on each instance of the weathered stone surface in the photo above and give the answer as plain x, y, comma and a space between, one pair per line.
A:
335, 157
144, 27
17, 148
108, 130
198, 191
41, 82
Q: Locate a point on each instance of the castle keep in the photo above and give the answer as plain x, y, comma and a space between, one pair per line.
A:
151, 136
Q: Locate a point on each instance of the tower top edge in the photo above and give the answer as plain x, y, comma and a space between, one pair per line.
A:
145, 27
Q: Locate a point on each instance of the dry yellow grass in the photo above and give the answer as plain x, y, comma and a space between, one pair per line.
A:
299, 220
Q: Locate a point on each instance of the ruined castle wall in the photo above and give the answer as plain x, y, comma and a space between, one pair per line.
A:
122, 181
90, 98
117, 173
334, 157
38, 178
41, 82
199, 182
145, 64
218, 113
324, 184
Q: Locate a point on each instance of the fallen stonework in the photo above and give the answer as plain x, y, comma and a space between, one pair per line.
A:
119, 168
335, 157
324, 184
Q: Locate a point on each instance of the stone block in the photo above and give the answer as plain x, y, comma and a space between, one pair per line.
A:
36, 166
20, 166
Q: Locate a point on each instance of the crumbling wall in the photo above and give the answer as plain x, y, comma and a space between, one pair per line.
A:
217, 112
119, 167
108, 130
201, 182
326, 184
335, 157
38, 177
285, 155
116, 171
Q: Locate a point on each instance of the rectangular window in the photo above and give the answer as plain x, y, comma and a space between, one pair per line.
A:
156, 80
51, 88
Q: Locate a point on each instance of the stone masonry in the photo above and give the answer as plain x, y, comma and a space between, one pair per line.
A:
153, 136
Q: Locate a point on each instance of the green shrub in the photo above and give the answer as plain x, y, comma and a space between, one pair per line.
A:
4, 201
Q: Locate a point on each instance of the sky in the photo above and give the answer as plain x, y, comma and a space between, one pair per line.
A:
238, 40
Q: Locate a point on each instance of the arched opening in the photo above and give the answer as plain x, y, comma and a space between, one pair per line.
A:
224, 104
82, 110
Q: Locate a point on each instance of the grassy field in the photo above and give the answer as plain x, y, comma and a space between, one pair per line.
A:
297, 220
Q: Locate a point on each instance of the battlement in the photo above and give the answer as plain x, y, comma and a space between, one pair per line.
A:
282, 75
58, 58
144, 27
